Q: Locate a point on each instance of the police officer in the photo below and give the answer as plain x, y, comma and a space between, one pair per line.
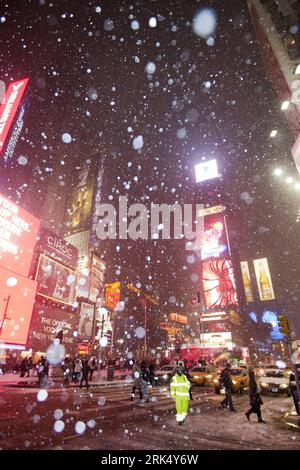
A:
180, 387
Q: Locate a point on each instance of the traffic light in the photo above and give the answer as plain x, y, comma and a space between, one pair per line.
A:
283, 324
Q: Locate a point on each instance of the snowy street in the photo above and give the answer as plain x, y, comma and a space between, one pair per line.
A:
109, 420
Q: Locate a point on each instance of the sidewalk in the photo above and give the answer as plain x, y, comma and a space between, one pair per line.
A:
14, 380
292, 419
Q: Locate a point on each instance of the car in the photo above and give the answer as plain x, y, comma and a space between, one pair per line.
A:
240, 380
203, 375
164, 374
275, 381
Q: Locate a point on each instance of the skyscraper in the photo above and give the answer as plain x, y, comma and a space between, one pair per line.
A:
277, 27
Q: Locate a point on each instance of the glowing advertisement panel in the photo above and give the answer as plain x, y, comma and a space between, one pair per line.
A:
18, 234
97, 278
218, 283
206, 171
217, 340
263, 279
9, 107
112, 294
214, 241
16, 305
56, 281
247, 281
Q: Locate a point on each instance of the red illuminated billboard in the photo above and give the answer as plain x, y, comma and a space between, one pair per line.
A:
9, 107
56, 281
17, 295
18, 232
218, 283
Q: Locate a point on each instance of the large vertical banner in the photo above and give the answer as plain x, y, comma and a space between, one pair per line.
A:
96, 278
80, 206
218, 283
214, 241
9, 107
247, 281
85, 326
263, 278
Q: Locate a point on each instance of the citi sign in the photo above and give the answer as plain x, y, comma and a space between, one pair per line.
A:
10, 106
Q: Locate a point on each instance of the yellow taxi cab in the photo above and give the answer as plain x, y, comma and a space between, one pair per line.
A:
239, 378
203, 375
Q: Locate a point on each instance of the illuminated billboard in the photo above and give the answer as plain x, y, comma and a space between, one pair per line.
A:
112, 294
57, 247
247, 281
17, 295
47, 320
263, 278
85, 327
206, 171
214, 240
56, 281
9, 107
83, 286
217, 340
218, 283
18, 232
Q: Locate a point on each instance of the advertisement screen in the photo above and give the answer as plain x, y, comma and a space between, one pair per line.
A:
9, 107
263, 279
85, 327
218, 283
56, 281
17, 295
247, 281
210, 327
112, 294
47, 320
214, 242
97, 278
18, 232
206, 171
83, 286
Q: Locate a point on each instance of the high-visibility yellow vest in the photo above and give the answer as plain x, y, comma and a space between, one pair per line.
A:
180, 386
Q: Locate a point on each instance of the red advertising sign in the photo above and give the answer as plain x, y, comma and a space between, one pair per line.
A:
17, 295
10, 106
18, 232
219, 283
112, 294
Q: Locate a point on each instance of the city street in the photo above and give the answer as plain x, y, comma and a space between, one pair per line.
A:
114, 422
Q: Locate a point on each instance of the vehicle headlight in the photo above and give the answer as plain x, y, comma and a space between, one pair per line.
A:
216, 381
263, 384
283, 386
196, 376
208, 376
165, 376
155, 378
261, 371
234, 382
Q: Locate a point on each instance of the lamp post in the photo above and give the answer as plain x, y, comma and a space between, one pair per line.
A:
5, 317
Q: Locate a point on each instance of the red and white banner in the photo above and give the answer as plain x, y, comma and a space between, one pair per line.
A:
10, 106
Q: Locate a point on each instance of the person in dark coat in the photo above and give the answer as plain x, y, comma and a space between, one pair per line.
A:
226, 381
252, 385
23, 368
85, 373
255, 408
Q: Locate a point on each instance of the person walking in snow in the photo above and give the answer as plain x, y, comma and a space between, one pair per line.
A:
180, 387
256, 403
225, 379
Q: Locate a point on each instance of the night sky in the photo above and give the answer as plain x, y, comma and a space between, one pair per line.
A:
88, 78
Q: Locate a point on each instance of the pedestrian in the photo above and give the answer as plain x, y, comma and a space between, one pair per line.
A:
92, 366
66, 367
255, 408
253, 388
225, 379
77, 369
41, 369
145, 380
152, 372
186, 372
29, 366
180, 393
23, 367
137, 381
85, 373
